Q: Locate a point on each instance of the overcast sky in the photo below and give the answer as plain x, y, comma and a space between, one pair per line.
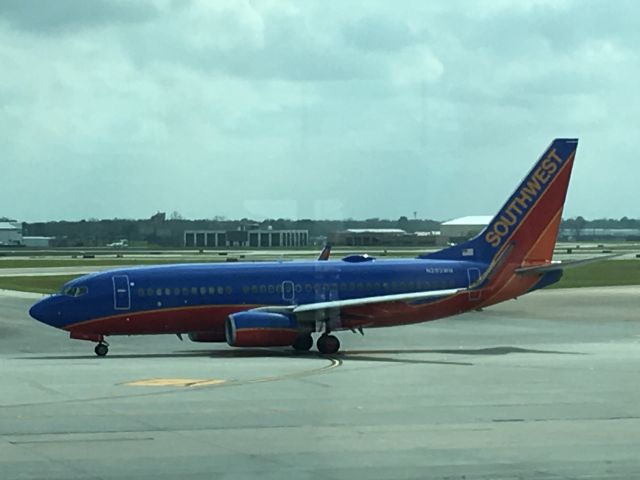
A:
312, 109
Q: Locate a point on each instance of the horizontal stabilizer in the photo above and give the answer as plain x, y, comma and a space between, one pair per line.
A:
556, 266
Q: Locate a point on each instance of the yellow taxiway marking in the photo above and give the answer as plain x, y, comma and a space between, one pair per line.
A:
175, 382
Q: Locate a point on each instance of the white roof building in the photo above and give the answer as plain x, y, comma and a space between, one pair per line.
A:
10, 226
10, 233
463, 228
475, 220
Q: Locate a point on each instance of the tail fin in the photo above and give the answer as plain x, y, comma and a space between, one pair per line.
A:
526, 227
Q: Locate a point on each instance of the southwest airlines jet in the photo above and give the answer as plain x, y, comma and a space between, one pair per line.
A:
283, 303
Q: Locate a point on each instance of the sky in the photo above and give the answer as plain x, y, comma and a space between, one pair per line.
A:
312, 109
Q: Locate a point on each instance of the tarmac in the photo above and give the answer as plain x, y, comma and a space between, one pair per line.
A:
545, 387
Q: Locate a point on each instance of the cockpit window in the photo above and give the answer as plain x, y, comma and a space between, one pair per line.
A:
75, 291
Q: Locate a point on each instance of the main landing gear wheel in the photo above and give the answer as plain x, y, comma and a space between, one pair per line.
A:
101, 349
328, 344
303, 343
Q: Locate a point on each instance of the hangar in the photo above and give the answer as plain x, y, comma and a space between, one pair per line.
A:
382, 237
10, 233
463, 228
246, 238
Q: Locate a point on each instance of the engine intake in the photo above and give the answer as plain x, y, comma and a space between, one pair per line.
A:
261, 329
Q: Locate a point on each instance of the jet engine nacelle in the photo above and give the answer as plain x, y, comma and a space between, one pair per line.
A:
261, 329
207, 336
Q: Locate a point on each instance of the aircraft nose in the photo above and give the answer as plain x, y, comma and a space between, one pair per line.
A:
41, 311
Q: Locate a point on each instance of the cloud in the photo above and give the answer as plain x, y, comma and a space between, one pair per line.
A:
378, 34
365, 109
54, 17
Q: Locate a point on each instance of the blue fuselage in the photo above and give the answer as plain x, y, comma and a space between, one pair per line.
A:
244, 285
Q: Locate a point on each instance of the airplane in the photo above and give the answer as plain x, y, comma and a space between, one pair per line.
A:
123, 243
281, 304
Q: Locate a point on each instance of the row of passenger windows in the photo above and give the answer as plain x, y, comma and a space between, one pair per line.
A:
360, 286
184, 291
299, 288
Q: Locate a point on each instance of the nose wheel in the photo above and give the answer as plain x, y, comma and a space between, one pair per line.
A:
101, 349
328, 344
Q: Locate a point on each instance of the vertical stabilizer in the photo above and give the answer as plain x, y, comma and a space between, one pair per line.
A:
526, 227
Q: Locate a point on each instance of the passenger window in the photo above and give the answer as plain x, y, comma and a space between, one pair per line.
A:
271, 288
167, 291
203, 290
263, 289
141, 292
194, 290
149, 292
220, 290
158, 292
185, 291
308, 288
254, 289
246, 289
176, 291
298, 288
228, 290
212, 290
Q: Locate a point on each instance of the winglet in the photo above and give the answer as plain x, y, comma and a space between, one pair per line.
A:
326, 252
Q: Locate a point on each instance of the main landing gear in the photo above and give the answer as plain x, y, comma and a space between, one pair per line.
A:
101, 349
328, 344
303, 343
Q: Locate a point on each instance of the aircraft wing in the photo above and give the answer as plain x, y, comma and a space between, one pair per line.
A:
356, 302
555, 266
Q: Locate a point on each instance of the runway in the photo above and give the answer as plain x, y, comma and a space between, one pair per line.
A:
545, 387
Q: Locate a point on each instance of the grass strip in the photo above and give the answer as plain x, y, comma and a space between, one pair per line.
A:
601, 274
41, 284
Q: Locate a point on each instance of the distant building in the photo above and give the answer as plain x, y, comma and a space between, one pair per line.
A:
461, 229
10, 234
258, 238
383, 237
632, 234
37, 242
